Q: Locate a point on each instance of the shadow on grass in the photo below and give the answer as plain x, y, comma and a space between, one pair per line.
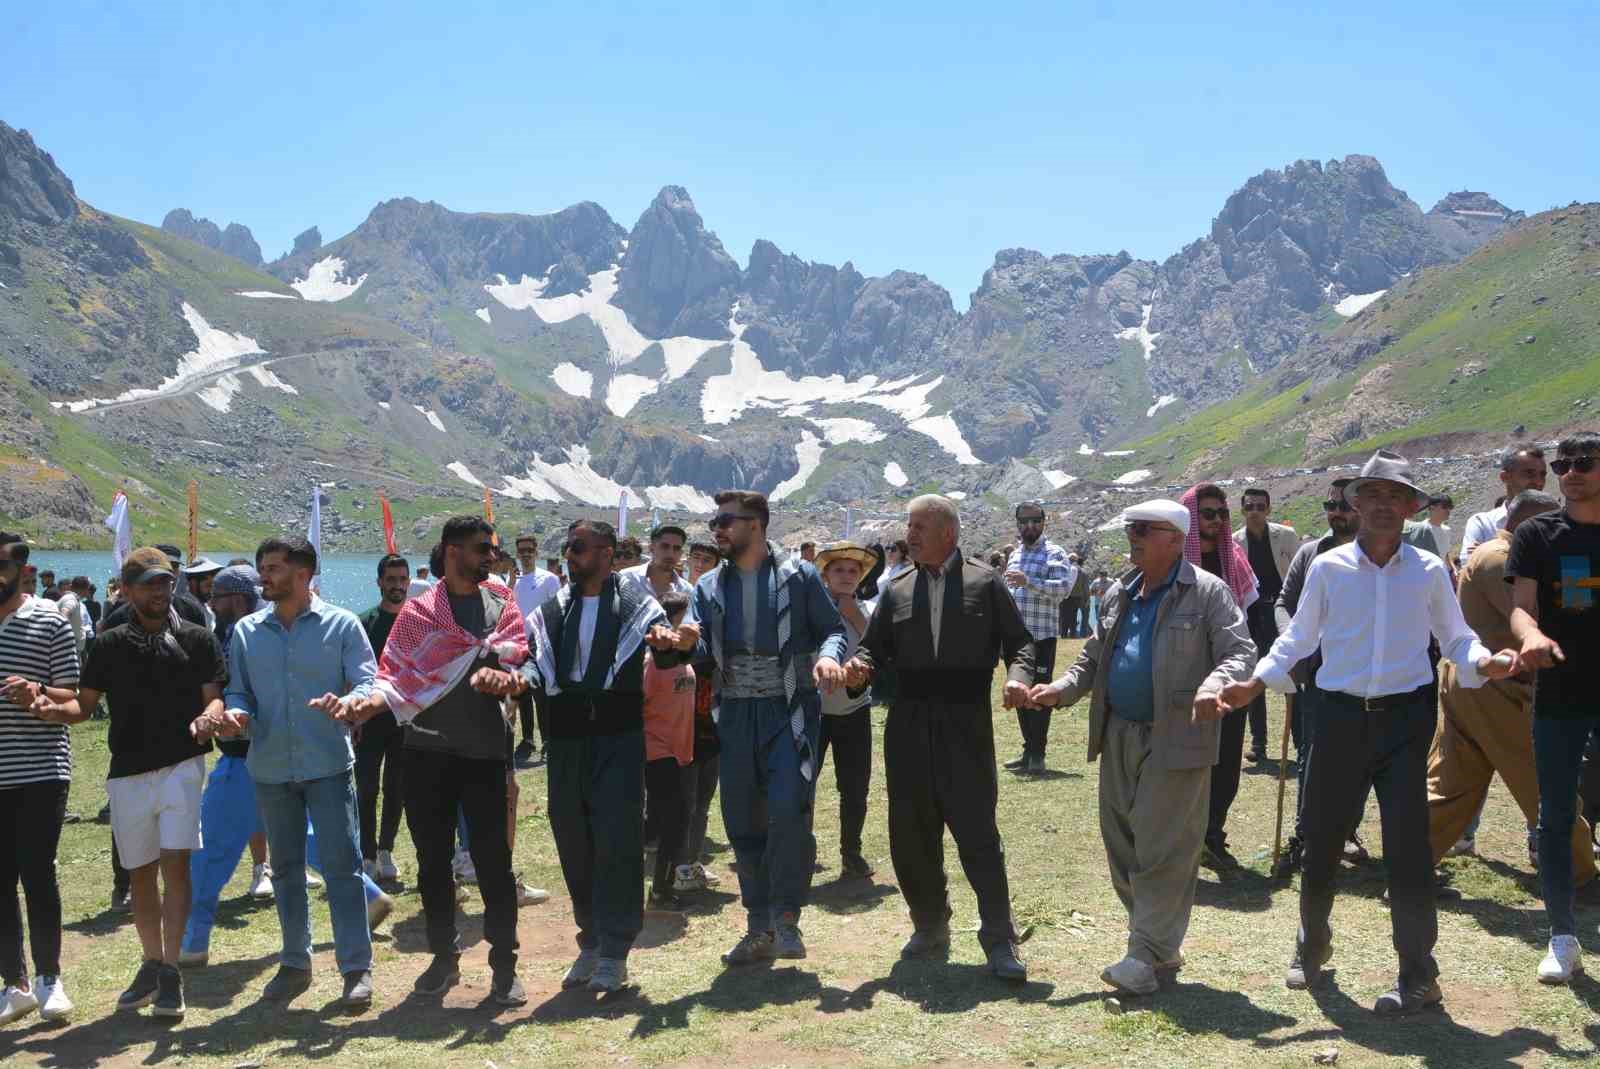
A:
1045, 776
1197, 1009
1238, 889
1432, 1037
848, 894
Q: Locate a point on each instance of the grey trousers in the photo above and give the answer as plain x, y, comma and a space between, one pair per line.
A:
1153, 823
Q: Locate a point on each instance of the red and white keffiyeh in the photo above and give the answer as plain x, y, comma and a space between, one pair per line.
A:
428, 653
1236, 570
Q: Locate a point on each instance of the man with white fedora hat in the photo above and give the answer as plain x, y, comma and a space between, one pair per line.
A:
1371, 605
1170, 635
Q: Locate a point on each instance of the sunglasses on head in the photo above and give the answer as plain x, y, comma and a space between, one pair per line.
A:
1581, 465
1212, 514
723, 520
1141, 528
1336, 505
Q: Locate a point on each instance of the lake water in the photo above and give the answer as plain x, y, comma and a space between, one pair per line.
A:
348, 580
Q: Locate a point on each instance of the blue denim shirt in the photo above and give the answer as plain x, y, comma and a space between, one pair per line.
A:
1130, 689
273, 674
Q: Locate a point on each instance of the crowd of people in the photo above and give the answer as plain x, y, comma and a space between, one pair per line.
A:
650, 680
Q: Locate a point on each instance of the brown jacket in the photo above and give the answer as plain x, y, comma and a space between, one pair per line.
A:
1202, 643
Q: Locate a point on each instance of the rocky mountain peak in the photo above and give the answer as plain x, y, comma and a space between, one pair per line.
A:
307, 241
32, 187
235, 241
676, 278
1465, 220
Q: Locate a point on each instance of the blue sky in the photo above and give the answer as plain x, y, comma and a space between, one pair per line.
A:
923, 136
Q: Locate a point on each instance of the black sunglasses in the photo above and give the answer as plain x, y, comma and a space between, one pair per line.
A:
1581, 465
1255, 506
1332, 505
1141, 528
726, 519
1212, 514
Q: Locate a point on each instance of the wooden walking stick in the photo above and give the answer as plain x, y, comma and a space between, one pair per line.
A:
1283, 776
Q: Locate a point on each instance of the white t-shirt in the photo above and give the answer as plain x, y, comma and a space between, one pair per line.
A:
588, 614
535, 588
1481, 528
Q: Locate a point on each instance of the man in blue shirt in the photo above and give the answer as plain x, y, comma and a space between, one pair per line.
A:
292, 664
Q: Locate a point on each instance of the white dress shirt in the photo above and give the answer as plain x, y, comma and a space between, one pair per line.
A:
1480, 528
1373, 625
936, 597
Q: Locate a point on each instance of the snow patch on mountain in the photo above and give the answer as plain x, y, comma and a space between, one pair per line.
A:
842, 429
325, 282
1133, 478
1354, 303
265, 376
263, 295
625, 391
1058, 478
572, 379
483, 314
679, 498
943, 430
1084, 450
217, 350
808, 453
576, 479
462, 472
432, 417
1161, 402
1141, 333
894, 474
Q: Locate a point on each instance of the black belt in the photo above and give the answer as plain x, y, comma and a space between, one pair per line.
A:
1382, 702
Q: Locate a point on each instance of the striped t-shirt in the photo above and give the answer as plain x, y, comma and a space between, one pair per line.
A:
35, 643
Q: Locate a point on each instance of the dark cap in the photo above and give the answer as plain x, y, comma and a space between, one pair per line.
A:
145, 565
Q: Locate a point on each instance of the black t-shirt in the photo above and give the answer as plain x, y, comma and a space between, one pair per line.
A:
153, 691
377, 625
1563, 557
1264, 565
1211, 561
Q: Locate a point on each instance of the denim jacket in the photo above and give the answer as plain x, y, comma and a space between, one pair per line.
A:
273, 674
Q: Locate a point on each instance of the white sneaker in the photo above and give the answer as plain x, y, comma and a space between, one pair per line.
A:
16, 1003
610, 976
1132, 975
582, 969
1563, 961
530, 896
261, 881
1464, 847
54, 1005
313, 881
685, 879
387, 869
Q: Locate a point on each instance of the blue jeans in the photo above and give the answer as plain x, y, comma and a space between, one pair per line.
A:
330, 805
1558, 745
766, 806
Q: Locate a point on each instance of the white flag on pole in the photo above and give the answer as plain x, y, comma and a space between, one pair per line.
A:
622, 514
121, 528
314, 533
848, 524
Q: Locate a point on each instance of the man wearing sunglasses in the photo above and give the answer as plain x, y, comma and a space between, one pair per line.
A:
1171, 637
1521, 468
1343, 523
1554, 567
774, 636
1371, 606
1040, 577
1271, 548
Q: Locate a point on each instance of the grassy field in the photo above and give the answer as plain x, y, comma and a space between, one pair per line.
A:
853, 1002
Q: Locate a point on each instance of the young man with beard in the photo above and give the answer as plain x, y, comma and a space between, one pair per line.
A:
534, 586
943, 626
1371, 606
589, 646
451, 657
379, 742
1522, 468
163, 680
1171, 637
1270, 548
774, 637
1343, 523
846, 718
1041, 579
38, 667
1554, 567
289, 667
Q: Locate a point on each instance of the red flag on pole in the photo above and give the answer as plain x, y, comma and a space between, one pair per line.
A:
388, 525
488, 512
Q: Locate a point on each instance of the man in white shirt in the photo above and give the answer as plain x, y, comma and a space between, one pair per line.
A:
533, 588
1371, 606
1521, 468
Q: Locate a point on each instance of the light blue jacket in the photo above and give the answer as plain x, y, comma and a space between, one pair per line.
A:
274, 672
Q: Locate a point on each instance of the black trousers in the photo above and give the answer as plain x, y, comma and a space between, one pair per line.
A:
1264, 632
664, 817
1386, 751
1225, 776
597, 819
939, 761
530, 707
699, 789
378, 767
850, 736
30, 831
1035, 723
437, 785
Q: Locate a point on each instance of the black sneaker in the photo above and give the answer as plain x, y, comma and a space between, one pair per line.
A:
357, 989
1017, 763
855, 866
524, 755
287, 984
121, 900
440, 976
507, 990
1289, 861
143, 989
169, 993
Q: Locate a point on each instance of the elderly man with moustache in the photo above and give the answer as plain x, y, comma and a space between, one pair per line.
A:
943, 626
1371, 606
1170, 637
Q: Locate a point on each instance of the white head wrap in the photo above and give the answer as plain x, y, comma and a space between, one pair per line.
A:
1161, 510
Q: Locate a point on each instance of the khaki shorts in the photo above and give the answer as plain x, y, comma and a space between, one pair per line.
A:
156, 811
